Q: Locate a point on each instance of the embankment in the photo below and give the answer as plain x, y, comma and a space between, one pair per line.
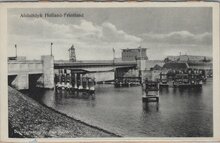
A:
30, 119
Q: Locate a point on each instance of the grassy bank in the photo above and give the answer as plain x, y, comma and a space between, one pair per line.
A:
30, 119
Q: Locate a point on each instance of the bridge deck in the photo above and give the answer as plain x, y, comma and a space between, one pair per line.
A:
67, 64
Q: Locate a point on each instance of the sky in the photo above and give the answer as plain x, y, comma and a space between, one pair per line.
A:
164, 31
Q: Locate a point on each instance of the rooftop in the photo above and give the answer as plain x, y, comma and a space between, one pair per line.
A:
175, 66
188, 58
135, 48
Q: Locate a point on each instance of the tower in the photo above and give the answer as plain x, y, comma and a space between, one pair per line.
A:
72, 54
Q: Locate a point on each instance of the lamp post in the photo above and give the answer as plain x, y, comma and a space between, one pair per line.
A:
16, 50
140, 53
113, 56
51, 50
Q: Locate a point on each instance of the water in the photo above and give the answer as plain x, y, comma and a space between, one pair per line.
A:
180, 113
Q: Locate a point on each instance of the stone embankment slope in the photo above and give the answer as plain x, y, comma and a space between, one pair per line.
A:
33, 120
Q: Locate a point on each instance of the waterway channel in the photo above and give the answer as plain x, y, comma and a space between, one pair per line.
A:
180, 112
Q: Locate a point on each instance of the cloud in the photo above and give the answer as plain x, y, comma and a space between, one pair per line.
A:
35, 34
37, 28
85, 31
93, 41
111, 33
179, 37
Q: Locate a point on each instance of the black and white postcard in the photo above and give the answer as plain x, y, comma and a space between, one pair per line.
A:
80, 71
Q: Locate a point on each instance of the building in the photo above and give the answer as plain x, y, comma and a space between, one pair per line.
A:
175, 66
194, 62
72, 54
134, 54
188, 58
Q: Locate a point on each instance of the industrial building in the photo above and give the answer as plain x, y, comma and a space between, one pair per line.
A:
134, 54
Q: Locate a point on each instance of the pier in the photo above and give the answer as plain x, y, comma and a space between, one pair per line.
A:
151, 91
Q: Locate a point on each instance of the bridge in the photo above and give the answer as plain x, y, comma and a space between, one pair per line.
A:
93, 64
23, 74
101, 70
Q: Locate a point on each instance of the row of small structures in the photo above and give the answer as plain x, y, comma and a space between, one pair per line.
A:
81, 83
187, 78
182, 78
74, 82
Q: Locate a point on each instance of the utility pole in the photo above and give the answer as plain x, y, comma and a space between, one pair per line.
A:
16, 50
140, 53
51, 50
113, 56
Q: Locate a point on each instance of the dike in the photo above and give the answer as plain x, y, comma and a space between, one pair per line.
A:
30, 119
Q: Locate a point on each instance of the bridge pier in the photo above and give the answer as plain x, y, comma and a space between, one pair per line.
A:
80, 85
48, 71
75, 81
21, 81
22, 73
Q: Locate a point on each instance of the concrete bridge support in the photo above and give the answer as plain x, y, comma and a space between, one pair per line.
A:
141, 66
21, 81
48, 71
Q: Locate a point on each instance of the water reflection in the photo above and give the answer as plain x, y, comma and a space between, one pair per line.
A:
59, 94
164, 90
150, 107
190, 91
91, 103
